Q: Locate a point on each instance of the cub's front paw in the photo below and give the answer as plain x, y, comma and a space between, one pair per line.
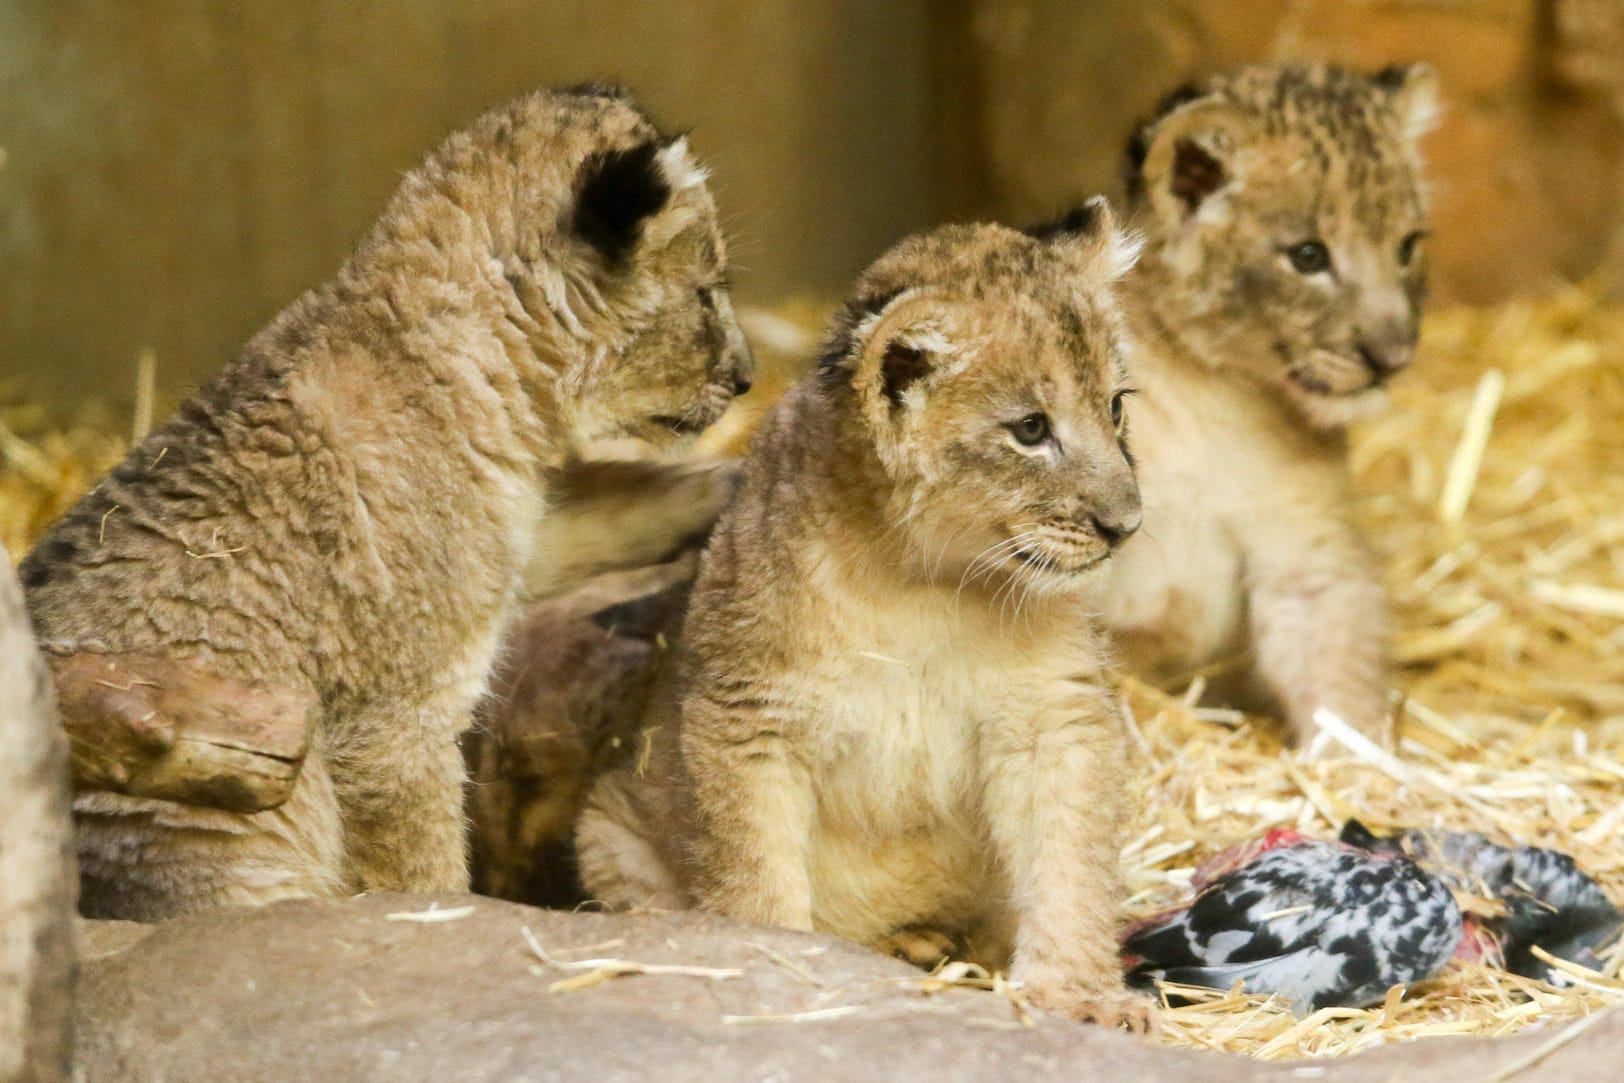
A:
920, 945
1109, 1007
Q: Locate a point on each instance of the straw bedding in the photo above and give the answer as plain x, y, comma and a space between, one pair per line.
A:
1495, 489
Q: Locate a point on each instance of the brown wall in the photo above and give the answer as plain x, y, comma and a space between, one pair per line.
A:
173, 172
177, 171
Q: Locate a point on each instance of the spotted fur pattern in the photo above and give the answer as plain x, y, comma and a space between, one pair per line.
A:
1241, 171
889, 718
1280, 290
355, 505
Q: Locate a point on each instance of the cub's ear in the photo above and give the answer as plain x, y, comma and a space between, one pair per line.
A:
1091, 228
678, 167
616, 191
1413, 94
884, 345
901, 366
1086, 220
1192, 154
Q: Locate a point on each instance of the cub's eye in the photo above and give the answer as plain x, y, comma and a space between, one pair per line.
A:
707, 299
1031, 430
1309, 257
1116, 406
1407, 247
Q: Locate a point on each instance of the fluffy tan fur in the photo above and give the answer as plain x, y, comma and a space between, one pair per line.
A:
888, 707
1252, 353
358, 502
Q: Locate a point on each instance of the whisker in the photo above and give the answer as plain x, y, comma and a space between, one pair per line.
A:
990, 557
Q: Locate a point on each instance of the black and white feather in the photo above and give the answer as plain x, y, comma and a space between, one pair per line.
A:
1317, 923
1550, 902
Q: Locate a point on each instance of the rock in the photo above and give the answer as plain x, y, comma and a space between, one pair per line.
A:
366, 989
38, 881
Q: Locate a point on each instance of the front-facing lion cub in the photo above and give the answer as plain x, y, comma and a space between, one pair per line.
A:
354, 507
888, 708
1279, 292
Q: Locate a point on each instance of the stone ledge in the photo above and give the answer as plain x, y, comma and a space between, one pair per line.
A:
336, 990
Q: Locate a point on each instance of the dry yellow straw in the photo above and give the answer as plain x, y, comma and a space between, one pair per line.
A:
1474, 440
146, 384
1504, 568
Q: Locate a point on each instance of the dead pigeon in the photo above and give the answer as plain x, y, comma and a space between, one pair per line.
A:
1318, 923
1549, 901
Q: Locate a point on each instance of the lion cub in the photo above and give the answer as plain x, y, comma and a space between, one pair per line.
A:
355, 505
888, 707
1280, 291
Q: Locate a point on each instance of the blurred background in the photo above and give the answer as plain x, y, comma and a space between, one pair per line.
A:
172, 172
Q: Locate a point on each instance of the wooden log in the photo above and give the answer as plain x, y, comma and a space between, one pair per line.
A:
38, 882
154, 726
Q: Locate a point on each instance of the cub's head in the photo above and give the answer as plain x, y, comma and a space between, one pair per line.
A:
985, 368
626, 271
1286, 222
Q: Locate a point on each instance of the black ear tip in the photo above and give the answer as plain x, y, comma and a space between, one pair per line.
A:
1392, 77
598, 88
1133, 165
841, 338
1083, 220
616, 191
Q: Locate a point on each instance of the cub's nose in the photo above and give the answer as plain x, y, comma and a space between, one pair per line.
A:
743, 365
1117, 525
1114, 506
1383, 359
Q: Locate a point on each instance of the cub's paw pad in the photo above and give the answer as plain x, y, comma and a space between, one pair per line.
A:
920, 945
1119, 1010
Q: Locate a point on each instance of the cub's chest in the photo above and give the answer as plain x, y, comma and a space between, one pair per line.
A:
904, 699
1176, 588
1175, 596
892, 729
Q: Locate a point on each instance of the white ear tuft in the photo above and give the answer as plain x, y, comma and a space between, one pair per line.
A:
1122, 252
678, 167
1414, 90
1091, 231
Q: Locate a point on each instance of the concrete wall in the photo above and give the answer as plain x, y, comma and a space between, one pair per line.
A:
177, 171
1528, 162
174, 171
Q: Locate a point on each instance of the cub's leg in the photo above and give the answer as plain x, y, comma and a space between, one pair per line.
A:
754, 814
609, 515
142, 859
1056, 803
620, 866
400, 794
1320, 632
990, 941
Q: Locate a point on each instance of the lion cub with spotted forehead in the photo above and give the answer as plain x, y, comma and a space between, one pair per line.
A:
1279, 293
888, 707
354, 507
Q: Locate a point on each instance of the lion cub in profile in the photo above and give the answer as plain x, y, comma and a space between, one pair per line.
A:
1279, 292
888, 705
354, 507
